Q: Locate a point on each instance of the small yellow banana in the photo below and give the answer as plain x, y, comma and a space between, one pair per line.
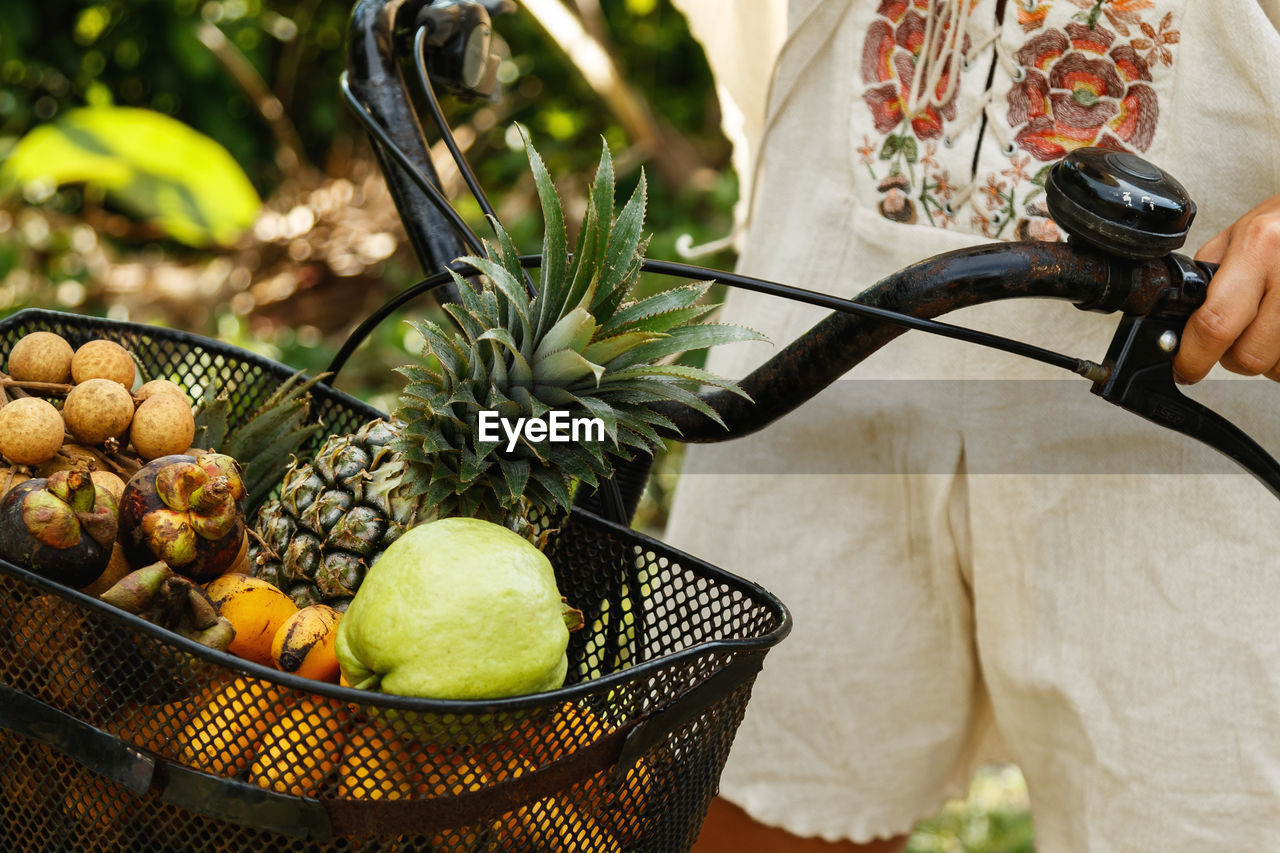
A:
304, 644
256, 610
223, 736
298, 752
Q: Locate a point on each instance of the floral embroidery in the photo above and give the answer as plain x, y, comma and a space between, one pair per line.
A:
1031, 13
1080, 88
890, 55
1087, 82
1121, 14
1087, 79
898, 201
1006, 193
1156, 44
912, 184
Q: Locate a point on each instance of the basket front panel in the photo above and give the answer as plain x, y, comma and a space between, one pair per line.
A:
658, 624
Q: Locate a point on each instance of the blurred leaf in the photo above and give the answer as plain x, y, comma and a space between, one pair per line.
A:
152, 165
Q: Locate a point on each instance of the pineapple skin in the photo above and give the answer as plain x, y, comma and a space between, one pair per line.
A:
334, 517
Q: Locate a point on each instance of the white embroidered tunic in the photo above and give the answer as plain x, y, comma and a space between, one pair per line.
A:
951, 554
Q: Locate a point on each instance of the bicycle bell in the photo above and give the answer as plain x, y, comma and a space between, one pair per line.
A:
460, 36
1119, 203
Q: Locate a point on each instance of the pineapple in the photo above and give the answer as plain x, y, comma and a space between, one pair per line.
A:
578, 346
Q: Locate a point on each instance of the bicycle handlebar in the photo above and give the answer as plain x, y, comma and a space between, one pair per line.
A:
938, 285
1110, 263
375, 78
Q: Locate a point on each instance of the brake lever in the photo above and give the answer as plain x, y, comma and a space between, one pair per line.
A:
1139, 366
1135, 212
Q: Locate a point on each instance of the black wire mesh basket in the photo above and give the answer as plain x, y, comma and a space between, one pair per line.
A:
116, 735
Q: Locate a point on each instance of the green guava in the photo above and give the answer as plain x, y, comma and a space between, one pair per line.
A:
456, 609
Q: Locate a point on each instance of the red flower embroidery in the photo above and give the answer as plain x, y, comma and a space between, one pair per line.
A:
1120, 13
1078, 91
890, 54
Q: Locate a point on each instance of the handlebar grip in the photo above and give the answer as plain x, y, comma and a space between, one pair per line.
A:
1190, 285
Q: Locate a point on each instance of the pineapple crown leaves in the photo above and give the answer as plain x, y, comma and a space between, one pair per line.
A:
579, 345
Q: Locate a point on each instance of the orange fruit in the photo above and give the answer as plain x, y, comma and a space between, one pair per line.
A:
222, 737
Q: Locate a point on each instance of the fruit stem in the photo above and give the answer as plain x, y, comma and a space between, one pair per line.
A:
29, 384
369, 683
124, 464
574, 619
9, 479
211, 495
11, 389
267, 551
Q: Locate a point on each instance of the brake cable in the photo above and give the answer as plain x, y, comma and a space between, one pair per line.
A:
437, 199
1080, 366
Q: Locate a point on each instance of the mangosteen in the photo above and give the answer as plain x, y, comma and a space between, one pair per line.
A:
61, 527
185, 511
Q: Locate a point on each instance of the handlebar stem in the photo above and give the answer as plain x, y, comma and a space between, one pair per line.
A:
375, 78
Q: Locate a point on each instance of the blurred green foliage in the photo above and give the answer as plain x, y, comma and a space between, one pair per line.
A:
146, 53
993, 818
142, 160
60, 55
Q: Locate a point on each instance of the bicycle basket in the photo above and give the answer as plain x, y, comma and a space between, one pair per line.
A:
118, 736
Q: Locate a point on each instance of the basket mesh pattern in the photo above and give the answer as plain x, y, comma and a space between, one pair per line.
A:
654, 622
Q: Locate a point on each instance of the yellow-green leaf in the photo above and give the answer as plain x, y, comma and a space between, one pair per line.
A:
156, 167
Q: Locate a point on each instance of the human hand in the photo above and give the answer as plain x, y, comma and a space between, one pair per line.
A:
1239, 323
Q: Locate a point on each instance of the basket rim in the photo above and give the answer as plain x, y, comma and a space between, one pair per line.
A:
451, 706
183, 336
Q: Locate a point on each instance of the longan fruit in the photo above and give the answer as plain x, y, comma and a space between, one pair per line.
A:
108, 481
41, 357
31, 431
101, 359
97, 409
159, 386
162, 425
